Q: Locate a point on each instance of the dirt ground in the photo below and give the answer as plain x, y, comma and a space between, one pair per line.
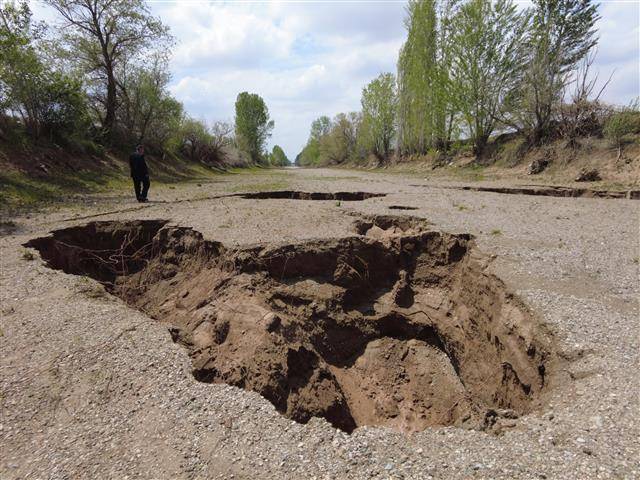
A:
94, 386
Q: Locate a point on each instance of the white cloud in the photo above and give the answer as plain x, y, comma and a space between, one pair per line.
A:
304, 59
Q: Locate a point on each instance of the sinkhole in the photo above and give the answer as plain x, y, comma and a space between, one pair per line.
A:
397, 325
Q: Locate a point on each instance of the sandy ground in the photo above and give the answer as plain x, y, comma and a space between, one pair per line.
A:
92, 388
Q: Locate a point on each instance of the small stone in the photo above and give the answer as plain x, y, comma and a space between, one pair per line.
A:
388, 466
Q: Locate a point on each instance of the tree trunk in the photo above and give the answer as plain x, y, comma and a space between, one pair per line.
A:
480, 145
110, 105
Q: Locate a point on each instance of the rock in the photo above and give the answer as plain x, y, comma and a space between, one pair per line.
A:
538, 166
588, 175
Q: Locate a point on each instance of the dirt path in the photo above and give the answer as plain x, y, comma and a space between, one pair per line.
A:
94, 387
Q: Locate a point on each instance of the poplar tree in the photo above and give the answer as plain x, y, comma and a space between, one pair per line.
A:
562, 33
487, 60
379, 103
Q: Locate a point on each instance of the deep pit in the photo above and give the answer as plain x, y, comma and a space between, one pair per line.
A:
295, 195
398, 326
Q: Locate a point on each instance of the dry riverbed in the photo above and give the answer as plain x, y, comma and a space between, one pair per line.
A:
513, 354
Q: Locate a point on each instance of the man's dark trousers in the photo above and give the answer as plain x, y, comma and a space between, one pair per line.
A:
141, 186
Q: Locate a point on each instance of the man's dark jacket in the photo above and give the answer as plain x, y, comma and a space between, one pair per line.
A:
138, 166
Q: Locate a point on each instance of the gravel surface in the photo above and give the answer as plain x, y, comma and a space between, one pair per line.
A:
94, 389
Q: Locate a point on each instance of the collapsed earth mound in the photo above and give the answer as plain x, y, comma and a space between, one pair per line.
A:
398, 326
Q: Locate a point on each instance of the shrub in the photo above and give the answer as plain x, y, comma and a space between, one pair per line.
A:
622, 123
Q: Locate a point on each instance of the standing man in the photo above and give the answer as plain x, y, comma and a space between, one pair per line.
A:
139, 173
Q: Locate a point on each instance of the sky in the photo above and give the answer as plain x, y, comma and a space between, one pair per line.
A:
309, 58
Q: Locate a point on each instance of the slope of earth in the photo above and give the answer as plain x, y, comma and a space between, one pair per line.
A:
40, 175
560, 164
94, 387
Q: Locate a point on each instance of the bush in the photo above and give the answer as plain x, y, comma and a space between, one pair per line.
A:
622, 123
62, 108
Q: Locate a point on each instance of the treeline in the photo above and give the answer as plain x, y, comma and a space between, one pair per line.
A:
470, 70
100, 81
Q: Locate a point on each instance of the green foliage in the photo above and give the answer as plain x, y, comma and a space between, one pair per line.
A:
561, 34
211, 145
416, 74
48, 103
624, 122
320, 127
103, 39
426, 112
333, 142
62, 106
487, 58
340, 144
253, 126
310, 154
379, 104
469, 68
147, 112
277, 158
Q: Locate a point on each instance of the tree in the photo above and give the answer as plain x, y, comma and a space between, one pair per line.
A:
561, 35
278, 157
146, 109
310, 154
416, 67
379, 104
340, 143
426, 112
253, 125
47, 102
621, 123
101, 34
320, 127
487, 60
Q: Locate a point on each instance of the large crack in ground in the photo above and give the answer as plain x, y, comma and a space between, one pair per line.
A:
548, 191
296, 195
398, 326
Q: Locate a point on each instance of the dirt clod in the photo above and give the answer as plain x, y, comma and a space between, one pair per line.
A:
399, 326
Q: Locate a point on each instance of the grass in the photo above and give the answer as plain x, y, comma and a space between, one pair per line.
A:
496, 231
18, 190
461, 206
472, 172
